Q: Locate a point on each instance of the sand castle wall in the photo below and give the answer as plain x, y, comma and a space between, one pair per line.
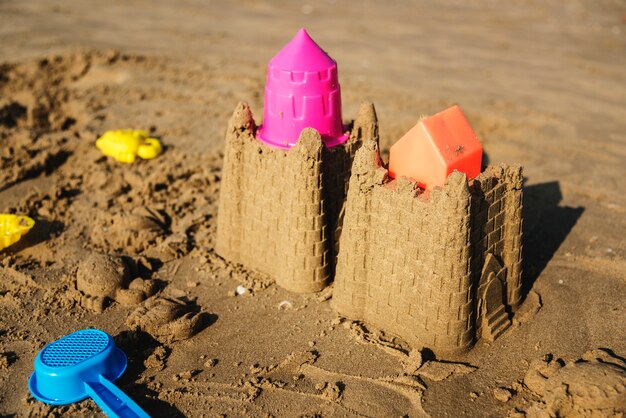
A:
496, 224
279, 209
414, 265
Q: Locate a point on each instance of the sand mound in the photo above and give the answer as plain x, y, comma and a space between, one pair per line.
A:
101, 275
594, 386
103, 278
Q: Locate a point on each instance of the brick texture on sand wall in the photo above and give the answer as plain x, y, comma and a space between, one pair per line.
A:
279, 209
439, 269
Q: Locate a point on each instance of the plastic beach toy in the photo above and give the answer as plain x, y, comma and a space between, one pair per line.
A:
81, 365
125, 145
301, 91
12, 228
435, 147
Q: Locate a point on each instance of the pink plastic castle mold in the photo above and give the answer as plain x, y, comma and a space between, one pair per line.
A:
302, 91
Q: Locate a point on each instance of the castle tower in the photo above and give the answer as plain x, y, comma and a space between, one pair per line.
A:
439, 268
302, 91
284, 184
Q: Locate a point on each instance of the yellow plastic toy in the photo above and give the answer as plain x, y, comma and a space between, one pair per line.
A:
125, 145
12, 228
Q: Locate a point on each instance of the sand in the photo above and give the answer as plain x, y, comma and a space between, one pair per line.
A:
542, 84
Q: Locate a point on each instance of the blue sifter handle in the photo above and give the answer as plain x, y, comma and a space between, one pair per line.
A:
112, 401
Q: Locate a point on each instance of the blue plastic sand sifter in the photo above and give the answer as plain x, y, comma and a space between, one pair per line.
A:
83, 365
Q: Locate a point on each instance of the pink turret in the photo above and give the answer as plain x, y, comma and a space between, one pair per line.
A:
302, 91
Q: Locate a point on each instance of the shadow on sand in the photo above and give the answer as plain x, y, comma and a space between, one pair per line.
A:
546, 225
138, 346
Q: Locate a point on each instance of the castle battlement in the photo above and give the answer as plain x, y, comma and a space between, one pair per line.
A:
439, 268
311, 80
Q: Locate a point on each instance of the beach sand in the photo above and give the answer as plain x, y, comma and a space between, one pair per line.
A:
129, 248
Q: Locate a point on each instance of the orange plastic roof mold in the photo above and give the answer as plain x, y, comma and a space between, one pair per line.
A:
435, 147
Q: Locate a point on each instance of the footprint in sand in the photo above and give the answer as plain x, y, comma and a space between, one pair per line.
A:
168, 320
132, 232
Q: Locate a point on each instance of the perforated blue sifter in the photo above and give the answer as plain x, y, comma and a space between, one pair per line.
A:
81, 365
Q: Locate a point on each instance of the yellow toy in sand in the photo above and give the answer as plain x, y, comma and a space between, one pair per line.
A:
125, 145
12, 228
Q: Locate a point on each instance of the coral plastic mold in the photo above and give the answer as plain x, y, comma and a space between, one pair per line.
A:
83, 365
125, 145
12, 228
435, 147
302, 91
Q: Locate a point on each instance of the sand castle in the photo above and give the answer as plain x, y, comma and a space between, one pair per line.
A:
432, 255
439, 267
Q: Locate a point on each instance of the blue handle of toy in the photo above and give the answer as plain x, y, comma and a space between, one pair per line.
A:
112, 401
